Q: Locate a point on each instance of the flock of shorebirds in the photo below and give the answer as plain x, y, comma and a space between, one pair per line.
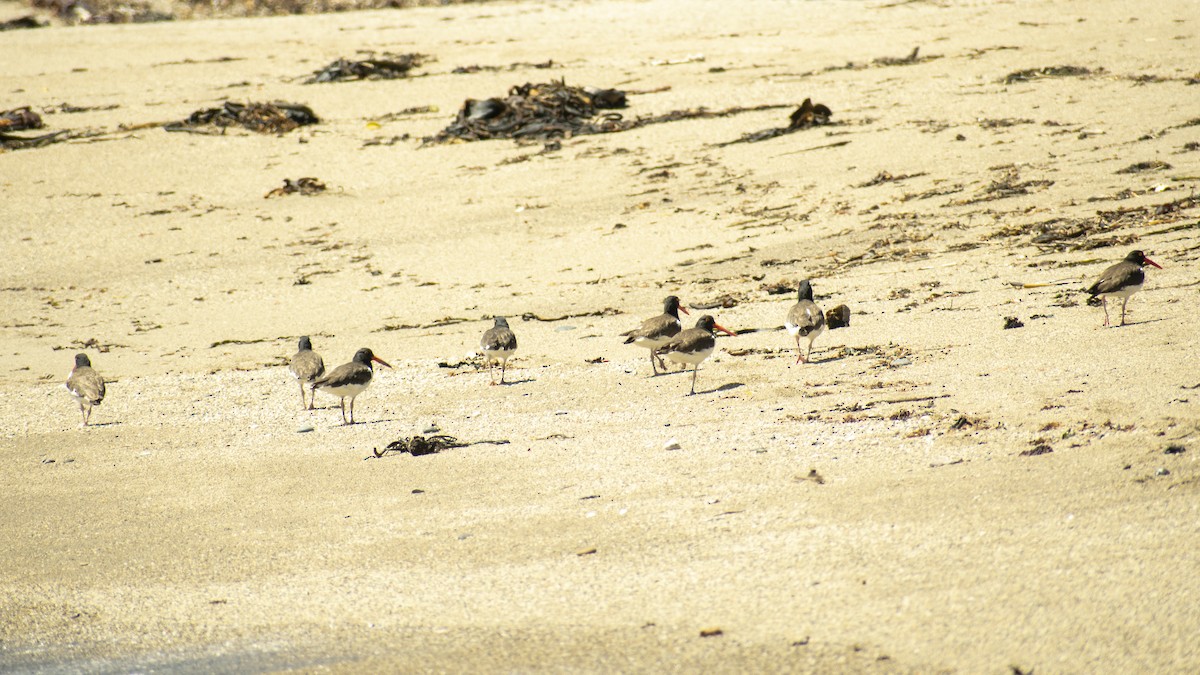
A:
663, 335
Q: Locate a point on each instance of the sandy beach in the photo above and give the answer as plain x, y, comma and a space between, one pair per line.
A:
933, 492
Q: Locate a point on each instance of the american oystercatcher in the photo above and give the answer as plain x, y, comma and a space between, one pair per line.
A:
86, 386
497, 345
306, 365
656, 332
805, 319
694, 345
350, 379
1121, 281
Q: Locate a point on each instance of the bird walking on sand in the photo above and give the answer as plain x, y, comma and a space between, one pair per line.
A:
498, 344
656, 332
306, 365
694, 345
1121, 281
805, 320
350, 379
86, 386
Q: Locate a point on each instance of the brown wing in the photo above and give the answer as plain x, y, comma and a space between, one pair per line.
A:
307, 366
86, 384
806, 317
498, 339
661, 326
1119, 276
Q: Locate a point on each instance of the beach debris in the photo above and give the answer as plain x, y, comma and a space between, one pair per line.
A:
607, 311
421, 445
1031, 74
887, 177
1174, 450
306, 186
383, 66
1160, 471
13, 142
711, 631
265, 118
519, 65
586, 551
1038, 449
1139, 167
20, 119
539, 111
103, 11
536, 113
808, 115
838, 317
21, 22
672, 444
813, 476
1011, 322
724, 301
428, 445
1079, 234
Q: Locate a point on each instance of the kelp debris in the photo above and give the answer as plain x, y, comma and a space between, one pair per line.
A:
20, 119
306, 186
383, 66
534, 113
520, 65
22, 22
265, 118
886, 177
1139, 167
806, 116
1031, 74
541, 111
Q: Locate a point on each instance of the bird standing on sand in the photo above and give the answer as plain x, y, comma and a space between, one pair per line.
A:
86, 386
656, 332
307, 366
805, 319
350, 379
694, 345
1121, 281
498, 344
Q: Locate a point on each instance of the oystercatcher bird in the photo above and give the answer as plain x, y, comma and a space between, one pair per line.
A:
1121, 281
86, 386
805, 319
656, 332
307, 366
498, 344
694, 345
350, 379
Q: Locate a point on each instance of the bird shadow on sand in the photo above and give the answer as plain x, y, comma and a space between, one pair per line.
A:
356, 423
728, 386
1133, 323
509, 383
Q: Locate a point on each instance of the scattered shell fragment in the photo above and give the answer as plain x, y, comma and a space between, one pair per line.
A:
672, 445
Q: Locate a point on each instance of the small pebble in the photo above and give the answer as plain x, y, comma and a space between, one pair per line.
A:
902, 361
672, 445
1162, 471
711, 631
305, 430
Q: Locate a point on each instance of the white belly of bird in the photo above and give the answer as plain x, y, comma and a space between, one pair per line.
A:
651, 343
1124, 293
499, 354
694, 358
344, 391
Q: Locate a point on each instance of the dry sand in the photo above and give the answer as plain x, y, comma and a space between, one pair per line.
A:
194, 528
